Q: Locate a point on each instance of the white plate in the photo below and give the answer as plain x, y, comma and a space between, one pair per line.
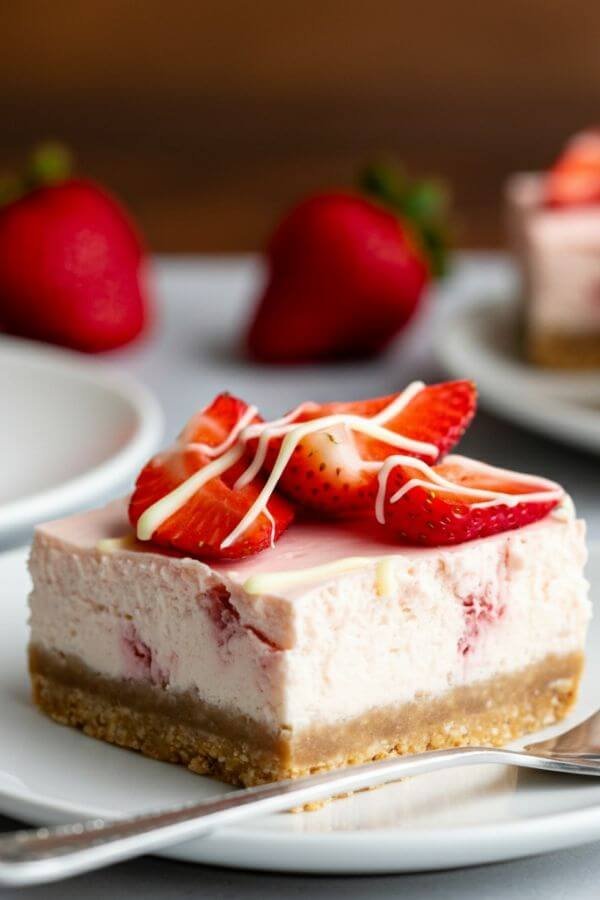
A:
50, 774
478, 338
72, 432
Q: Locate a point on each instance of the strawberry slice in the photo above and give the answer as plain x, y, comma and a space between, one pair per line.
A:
458, 500
333, 471
574, 180
200, 524
216, 427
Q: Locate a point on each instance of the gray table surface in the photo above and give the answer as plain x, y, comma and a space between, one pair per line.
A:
190, 356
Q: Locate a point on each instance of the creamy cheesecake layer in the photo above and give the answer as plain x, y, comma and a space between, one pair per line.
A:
559, 253
323, 652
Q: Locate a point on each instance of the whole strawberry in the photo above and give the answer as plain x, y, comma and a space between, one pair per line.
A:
348, 270
72, 266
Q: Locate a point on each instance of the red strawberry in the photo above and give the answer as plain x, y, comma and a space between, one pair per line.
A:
218, 424
72, 267
438, 414
345, 275
431, 513
574, 179
327, 470
201, 524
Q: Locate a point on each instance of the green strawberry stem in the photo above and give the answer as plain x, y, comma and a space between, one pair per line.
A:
424, 203
48, 163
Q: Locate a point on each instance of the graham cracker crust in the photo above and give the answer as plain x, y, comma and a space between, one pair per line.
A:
183, 729
562, 351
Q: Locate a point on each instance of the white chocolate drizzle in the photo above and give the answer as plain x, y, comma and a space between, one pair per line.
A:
234, 446
565, 511
111, 545
239, 426
163, 509
298, 433
269, 582
548, 490
232, 449
264, 431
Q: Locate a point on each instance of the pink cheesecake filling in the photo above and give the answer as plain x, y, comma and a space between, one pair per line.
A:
326, 649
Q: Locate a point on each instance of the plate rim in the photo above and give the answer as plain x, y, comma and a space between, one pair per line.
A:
230, 846
569, 424
76, 492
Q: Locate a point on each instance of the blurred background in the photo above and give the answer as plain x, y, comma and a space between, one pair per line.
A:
209, 118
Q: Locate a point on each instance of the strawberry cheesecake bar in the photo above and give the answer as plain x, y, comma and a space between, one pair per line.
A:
554, 219
282, 597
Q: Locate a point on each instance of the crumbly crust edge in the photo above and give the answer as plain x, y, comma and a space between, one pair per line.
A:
140, 717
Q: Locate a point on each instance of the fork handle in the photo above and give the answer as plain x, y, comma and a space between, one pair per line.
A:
48, 854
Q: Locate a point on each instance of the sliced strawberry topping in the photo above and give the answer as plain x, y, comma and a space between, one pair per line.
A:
574, 180
439, 414
218, 425
459, 500
201, 523
334, 470
326, 473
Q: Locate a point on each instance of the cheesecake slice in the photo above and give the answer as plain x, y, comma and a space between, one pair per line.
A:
330, 587
330, 648
554, 228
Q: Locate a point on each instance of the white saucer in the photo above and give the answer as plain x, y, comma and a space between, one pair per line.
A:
72, 433
50, 774
477, 337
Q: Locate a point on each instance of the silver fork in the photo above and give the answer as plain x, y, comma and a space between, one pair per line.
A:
49, 854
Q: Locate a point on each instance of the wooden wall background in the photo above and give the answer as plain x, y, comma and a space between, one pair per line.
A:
209, 117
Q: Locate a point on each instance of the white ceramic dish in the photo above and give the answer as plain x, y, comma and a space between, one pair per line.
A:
477, 338
50, 774
72, 433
